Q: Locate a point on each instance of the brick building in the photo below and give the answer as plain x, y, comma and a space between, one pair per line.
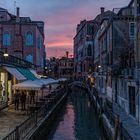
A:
22, 37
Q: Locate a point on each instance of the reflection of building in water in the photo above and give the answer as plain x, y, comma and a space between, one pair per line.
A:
86, 124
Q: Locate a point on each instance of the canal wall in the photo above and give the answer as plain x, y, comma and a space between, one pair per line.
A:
48, 120
108, 129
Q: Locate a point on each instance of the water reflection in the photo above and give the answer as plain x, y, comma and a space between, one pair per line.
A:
77, 121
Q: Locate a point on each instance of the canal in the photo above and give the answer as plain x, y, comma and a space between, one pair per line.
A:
77, 120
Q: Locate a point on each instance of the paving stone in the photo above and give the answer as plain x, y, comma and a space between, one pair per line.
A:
9, 119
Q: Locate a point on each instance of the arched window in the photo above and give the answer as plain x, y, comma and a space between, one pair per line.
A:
29, 58
89, 50
29, 39
6, 39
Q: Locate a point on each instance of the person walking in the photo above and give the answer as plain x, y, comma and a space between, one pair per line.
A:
23, 101
16, 99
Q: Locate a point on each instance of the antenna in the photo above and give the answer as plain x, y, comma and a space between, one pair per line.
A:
15, 7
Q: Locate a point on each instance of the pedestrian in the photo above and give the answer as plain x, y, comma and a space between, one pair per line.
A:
32, 96
23, 100
16, 99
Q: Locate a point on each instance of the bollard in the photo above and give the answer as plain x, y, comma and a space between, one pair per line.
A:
117, 123
121, 135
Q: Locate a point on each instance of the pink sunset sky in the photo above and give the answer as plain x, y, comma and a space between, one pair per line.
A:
61, 18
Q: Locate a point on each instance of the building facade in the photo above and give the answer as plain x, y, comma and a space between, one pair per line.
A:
116, 56
22, 37
83, 48
84, 44
66, 67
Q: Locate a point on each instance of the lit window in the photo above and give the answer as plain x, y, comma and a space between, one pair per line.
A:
6, 39
29, 39
29, 58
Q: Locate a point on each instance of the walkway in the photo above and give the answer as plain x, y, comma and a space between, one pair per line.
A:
9, 119
131, 126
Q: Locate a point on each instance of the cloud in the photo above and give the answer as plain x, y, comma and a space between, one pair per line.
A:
61, 17
58, 51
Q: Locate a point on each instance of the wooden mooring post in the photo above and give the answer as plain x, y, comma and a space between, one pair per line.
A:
117, 127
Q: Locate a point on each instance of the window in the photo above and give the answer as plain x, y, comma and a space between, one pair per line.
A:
29, 58
6, 39
89, 51
29, 39
39, 42
138, 7
131, 29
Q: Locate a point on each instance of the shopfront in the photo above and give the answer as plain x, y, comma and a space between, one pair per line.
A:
3, 85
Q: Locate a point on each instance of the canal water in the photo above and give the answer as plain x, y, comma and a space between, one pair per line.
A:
77, 120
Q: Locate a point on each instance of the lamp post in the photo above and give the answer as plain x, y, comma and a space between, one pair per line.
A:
4, 51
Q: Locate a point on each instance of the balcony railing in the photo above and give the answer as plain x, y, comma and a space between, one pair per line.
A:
12, 60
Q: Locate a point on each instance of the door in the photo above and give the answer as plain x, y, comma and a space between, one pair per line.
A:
132, 100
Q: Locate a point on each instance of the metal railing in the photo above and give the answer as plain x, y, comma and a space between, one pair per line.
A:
22, 130
12, 60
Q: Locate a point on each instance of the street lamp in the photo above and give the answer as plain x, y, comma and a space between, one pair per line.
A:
4, 50
5, 54
99, 66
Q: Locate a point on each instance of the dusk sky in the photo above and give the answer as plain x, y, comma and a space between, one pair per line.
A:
61, 18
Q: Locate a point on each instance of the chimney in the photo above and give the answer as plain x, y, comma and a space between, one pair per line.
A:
102, 10
18, 16
67, 54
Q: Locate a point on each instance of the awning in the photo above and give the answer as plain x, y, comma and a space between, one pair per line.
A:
62, 79
29, 85
34, 73
49, 81
26, 72
15, 73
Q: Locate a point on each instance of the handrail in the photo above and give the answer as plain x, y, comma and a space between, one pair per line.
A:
12, 60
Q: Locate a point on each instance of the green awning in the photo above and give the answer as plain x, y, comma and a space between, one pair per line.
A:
26, 72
